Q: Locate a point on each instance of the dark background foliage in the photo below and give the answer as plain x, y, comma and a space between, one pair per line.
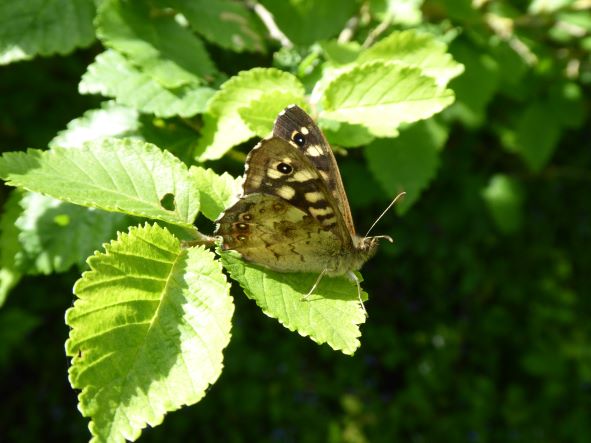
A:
475, 333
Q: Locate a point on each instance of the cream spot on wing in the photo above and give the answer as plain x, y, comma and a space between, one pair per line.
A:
256, 181
314, 197
304, 130
329, 221
286, 192
323, 174
302, 176
320, 211
314, 151
274, 173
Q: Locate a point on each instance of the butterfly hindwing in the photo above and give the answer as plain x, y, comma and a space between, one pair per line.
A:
267, 230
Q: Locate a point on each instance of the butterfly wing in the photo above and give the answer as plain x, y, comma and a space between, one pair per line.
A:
297, 127
269, 231
286, 219
275, 167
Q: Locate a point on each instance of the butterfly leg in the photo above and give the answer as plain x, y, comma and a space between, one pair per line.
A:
315, 285
353, 277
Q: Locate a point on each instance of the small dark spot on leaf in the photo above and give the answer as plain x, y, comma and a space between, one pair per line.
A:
167, 202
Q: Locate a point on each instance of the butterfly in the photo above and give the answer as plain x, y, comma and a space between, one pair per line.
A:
293, 214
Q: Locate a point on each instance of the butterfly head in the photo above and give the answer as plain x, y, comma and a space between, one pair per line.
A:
365, 248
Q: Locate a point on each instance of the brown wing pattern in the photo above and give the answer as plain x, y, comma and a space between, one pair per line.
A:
275, 167
297, 127
267, 230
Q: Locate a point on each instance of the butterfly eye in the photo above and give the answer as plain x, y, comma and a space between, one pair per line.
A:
284, 168
299, 139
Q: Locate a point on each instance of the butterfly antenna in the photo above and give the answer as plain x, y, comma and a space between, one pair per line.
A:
384, 213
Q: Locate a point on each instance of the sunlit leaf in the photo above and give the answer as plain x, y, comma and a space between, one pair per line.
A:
147, 331
381, 96
44, 27
127, 176
332, 314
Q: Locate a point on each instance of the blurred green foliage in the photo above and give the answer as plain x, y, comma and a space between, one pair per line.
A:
478, 326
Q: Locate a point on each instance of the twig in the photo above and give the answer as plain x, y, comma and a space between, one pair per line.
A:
377, 31
347, 33
503, 27
268, 20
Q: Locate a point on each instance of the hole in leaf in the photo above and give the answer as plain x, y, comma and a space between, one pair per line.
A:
167, 202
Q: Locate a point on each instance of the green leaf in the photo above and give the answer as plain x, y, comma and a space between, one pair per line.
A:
9, 244
224, 23
44, 27
415, 49
339, 53
537, 134
15, 325
112, 120
260, 114
476, 87
156, 43
345, 134
112, 75
409, 162
305, 22
217, 192
504, 199
127, 176
548, 6
381, 96
55, 235
9, 278
567, 102
147, 331
403, 12
223, 127
332, 314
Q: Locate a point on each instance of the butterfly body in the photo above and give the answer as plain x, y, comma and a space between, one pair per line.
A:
293, 215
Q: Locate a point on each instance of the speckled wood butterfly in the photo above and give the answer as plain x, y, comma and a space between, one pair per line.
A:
293, 215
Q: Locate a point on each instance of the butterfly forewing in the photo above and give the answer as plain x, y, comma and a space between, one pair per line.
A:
277, 168
295, 125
